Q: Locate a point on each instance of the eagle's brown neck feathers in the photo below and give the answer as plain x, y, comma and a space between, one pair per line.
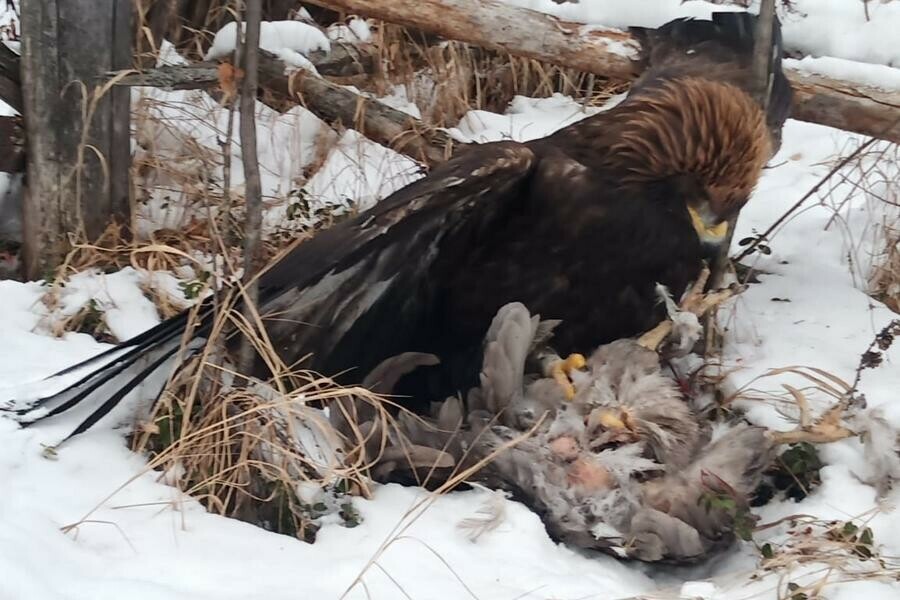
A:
712, 131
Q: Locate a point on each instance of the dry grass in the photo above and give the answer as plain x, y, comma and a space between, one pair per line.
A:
815, 554
265, 452
872, 239
447, 79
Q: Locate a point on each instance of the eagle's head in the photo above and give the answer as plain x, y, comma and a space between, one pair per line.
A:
706, 141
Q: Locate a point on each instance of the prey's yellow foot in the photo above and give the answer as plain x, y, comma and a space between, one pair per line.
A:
607, 426
561, 371
609, 420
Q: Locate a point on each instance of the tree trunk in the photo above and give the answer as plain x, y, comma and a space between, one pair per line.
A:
253, 192
77, 179
608, 52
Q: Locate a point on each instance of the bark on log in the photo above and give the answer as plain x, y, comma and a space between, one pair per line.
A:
344, 60
498, 26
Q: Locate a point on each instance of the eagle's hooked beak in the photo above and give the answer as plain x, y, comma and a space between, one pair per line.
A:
709, 231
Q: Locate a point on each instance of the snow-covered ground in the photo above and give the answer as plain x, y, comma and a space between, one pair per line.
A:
138, 538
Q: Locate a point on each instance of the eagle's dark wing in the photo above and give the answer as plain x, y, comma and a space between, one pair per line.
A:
328, 293
363, 287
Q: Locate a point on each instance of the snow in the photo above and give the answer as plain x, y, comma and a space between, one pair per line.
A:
356, 31
273, 36
624, 13
139, 538
839, 28
360, 170
526, 119
877, 76
399, 99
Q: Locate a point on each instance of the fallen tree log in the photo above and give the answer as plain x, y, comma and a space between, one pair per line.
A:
330, 101
344, 60
609, 52
377, 121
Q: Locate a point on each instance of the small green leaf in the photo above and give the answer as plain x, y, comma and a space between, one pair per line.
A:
767, 551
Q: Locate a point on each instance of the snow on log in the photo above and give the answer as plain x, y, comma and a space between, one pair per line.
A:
609, 52
377, 121
343, 60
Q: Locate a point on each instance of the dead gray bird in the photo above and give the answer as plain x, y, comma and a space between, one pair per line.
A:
619, 463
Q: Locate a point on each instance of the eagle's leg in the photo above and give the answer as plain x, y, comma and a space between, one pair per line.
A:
561, 369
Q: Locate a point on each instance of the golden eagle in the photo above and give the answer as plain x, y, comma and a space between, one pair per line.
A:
578, 226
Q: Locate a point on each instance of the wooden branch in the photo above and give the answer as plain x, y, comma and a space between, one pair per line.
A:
608, 52
381, 123
344, 60
377, 121
12, 140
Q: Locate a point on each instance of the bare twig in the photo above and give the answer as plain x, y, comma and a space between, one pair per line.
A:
253, 187
840, 165
872, 357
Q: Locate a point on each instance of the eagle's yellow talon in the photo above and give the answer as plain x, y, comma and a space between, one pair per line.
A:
574, 362
561, 370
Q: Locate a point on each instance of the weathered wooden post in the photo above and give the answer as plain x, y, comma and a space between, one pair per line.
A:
77, 179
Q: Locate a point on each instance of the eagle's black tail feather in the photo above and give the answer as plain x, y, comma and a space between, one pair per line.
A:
164, 339
117, 397
140, 345
142, 340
